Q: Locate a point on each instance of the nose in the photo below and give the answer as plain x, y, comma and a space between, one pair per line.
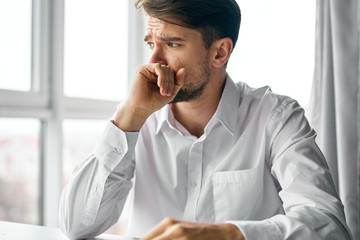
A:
157, 55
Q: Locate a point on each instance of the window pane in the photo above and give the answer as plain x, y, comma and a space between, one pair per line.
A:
276, 47
15, 44
19, 170
96, 49
80, 139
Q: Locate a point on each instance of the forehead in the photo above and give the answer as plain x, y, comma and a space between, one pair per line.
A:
157, 27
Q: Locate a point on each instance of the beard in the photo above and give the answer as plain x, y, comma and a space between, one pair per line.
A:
193, 90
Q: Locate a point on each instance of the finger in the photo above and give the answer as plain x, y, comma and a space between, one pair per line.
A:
169, 81
172, 233
166, 80
148, 72
159, 73
179, 81
162, 78
160, 229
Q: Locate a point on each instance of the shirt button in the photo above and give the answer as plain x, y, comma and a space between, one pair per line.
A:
193, 184
118, 150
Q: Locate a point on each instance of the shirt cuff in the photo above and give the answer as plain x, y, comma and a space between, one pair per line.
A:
115, 146
264, 229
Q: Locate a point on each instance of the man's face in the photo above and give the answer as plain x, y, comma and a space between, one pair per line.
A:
180, 47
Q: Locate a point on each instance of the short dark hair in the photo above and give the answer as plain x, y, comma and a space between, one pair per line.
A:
214, 19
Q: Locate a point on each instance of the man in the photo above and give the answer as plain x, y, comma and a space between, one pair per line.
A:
213, 159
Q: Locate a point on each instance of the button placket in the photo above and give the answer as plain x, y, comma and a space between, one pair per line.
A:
194, 180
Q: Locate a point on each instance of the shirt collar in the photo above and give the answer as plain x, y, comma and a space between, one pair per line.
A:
225, 113
163, 116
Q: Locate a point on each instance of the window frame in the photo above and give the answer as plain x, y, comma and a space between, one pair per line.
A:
37, 97
46, 100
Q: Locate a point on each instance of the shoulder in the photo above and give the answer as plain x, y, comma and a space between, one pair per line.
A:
264, 100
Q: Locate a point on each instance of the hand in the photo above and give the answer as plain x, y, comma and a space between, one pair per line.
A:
181, 230
153, 87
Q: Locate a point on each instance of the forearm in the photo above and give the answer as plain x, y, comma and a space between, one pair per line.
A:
129, 118
307, 223
89, 203
233, 231
94, 197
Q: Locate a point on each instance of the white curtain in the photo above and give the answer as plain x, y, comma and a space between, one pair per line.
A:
335, 103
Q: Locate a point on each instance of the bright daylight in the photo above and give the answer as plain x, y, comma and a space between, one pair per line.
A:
181, 119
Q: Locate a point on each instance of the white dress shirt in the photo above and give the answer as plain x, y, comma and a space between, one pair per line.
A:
256, 165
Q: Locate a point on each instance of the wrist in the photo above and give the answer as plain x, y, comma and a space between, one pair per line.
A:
129, 118
233, 231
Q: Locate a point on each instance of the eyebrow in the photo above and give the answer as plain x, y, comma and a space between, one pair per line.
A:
166, 39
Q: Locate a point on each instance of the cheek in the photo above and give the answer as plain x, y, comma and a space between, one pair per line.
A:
176, 62
191, 62
185, 60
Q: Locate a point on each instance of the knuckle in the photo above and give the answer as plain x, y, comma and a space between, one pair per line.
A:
178, 229
169, 221
157, 66
139, 68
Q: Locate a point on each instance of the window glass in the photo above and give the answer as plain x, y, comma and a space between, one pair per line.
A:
276, 47
96, 52
79, 140
15, 44
19, 170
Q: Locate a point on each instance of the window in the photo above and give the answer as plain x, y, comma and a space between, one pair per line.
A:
71, 70
80, 139
15, 44
20, 170
276, 47
96, 46
96, 64
20, 129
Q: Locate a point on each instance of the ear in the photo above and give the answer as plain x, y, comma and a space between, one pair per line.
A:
222, 49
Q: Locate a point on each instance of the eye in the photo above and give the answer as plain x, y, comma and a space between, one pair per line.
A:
172, 45
150, 44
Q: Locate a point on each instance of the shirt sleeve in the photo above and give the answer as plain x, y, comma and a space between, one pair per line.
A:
96, 193
312, 207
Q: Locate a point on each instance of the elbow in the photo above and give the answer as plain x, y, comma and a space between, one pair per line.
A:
69, 221
76, 231
72, 226
71, 234
334, 226
75, 235
67, 229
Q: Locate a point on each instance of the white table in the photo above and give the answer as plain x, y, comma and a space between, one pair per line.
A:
18, 231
